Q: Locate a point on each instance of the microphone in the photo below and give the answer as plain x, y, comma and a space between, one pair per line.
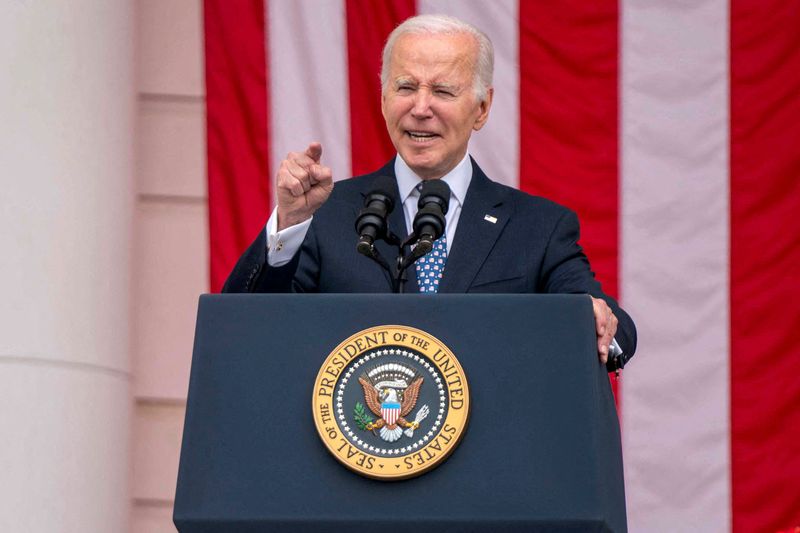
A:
429, 224
371, 222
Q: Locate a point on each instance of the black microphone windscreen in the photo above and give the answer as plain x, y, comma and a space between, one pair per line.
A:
384, 185
436, 188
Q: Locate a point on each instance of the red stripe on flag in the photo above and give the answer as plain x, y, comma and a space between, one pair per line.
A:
765, 254
568, 55
369, 23
237, 129
568, 118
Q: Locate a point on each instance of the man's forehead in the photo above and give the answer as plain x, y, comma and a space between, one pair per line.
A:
444, 48
438, 55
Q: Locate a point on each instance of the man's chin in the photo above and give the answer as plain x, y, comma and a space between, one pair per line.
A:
425, 171
424, 167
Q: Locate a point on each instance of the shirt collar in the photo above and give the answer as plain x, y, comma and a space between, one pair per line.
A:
458, 179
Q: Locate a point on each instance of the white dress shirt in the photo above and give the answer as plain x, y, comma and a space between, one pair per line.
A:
458, 179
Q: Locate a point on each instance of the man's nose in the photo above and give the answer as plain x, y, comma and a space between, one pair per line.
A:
422, 105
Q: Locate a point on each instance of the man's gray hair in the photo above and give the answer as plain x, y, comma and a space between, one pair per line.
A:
445, 25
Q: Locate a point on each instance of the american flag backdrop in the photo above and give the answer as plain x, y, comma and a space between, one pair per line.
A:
671, 126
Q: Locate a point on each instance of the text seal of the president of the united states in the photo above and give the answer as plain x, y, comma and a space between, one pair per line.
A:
391, 402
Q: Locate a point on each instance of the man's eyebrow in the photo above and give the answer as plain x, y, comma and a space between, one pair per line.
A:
404, 80
447, 86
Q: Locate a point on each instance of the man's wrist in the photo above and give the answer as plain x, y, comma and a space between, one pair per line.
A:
287, 220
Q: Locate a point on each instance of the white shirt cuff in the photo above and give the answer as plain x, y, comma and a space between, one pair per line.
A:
282, 245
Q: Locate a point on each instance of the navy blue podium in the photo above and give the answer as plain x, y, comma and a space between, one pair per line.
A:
541, 451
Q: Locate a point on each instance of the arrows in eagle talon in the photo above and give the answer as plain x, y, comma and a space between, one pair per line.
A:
421, 415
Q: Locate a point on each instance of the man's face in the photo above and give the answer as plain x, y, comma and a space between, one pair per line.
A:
429, 103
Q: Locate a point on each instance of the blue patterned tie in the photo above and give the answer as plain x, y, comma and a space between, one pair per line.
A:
430, 267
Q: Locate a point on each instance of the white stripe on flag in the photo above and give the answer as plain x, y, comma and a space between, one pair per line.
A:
308, 81
674, 127
496, 146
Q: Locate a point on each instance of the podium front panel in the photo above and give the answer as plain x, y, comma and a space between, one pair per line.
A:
541, 450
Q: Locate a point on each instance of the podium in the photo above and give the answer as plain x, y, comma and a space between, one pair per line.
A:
541, 451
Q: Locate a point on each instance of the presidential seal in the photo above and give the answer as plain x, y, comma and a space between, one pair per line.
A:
391, 402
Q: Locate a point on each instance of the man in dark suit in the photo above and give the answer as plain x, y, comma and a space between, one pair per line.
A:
436, 76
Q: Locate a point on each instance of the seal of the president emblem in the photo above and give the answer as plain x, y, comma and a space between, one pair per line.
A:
391, 402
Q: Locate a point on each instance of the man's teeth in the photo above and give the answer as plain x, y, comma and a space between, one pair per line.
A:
419, 135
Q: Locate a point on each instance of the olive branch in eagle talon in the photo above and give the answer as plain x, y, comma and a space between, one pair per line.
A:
363, 421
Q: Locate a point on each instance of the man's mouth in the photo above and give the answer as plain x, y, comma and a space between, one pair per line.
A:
421, 136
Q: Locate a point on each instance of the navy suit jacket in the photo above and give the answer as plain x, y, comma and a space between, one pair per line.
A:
531, 248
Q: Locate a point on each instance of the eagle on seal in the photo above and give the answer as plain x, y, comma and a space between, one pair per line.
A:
391, 406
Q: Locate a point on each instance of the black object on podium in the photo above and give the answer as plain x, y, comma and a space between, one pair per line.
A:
541, 451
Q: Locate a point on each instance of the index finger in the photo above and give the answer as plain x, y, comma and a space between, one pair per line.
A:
320, 174
600, 309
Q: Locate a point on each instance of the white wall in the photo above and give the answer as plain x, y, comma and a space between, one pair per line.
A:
170, 265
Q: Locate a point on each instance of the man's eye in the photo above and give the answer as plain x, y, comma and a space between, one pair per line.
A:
405, 89
445, 93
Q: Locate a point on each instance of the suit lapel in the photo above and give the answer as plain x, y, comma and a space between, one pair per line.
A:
475, 236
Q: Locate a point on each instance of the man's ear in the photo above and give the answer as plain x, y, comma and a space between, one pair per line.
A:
484, 107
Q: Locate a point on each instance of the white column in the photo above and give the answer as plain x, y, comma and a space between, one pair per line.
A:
66, 164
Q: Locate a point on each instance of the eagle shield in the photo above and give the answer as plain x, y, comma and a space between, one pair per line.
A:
390, 412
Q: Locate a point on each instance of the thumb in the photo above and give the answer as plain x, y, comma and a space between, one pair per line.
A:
314, 151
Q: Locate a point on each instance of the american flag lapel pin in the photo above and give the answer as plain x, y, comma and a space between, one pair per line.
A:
490, 218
